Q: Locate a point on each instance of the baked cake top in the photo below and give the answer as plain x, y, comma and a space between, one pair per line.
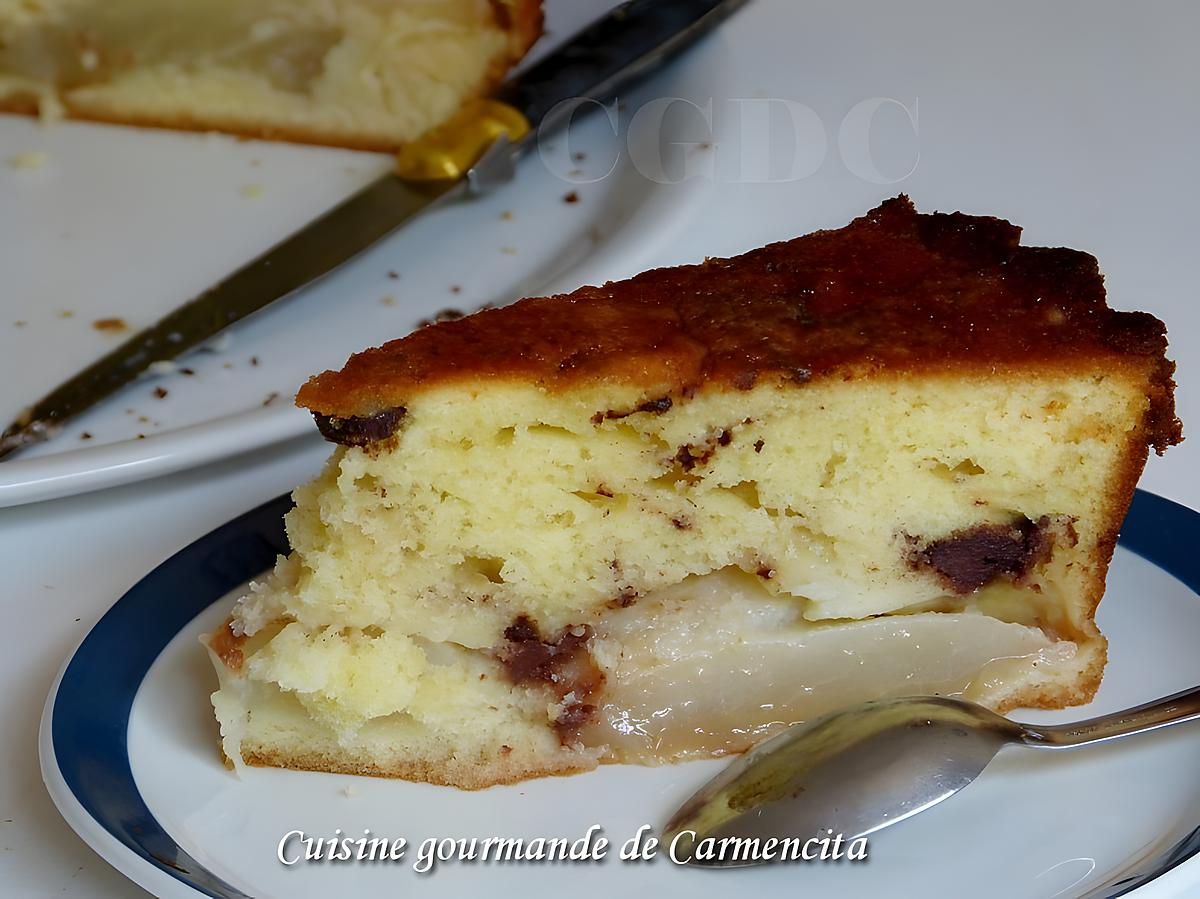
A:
893, 292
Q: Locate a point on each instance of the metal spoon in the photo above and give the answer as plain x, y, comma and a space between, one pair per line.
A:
858, 770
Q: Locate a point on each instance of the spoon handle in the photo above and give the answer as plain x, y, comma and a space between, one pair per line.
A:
1174, 709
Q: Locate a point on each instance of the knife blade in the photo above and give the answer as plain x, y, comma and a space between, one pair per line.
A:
470, 154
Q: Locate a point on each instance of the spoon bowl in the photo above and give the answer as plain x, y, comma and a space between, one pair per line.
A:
855, 771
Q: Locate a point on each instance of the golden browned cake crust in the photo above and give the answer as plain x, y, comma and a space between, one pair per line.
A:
893, 293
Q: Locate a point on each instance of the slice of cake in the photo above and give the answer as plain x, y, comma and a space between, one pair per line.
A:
664, 518
370, 74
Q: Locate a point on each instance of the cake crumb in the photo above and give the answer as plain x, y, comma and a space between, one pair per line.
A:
160, 392
110, 324
85, 436
506, 216
35, 159
67, 313
572, 197
389, 300
579, 156
456, 288
187, 371
250, 191
395, 276
271, 397
219, 344
20, 323
254, 361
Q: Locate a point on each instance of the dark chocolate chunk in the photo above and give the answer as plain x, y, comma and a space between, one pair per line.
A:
522, 630
563, 663
360, 430
654, 407
686, 460
690, 455
529, 657
658, 406
968, 559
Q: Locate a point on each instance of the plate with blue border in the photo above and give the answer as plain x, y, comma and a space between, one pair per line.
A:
129, 755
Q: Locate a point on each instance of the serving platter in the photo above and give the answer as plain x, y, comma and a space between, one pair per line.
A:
129, 755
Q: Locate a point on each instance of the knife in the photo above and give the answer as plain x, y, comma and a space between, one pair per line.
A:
468, 155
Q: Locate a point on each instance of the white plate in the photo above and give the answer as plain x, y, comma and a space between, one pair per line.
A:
127, 224
1099, 821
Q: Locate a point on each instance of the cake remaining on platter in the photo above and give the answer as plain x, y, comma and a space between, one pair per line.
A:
666, 517
370, 74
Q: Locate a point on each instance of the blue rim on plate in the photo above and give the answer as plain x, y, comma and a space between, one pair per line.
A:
92, 705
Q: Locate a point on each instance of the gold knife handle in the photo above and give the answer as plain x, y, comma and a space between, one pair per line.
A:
449, 151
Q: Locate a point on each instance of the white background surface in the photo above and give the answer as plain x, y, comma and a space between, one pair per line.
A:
1078, 120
